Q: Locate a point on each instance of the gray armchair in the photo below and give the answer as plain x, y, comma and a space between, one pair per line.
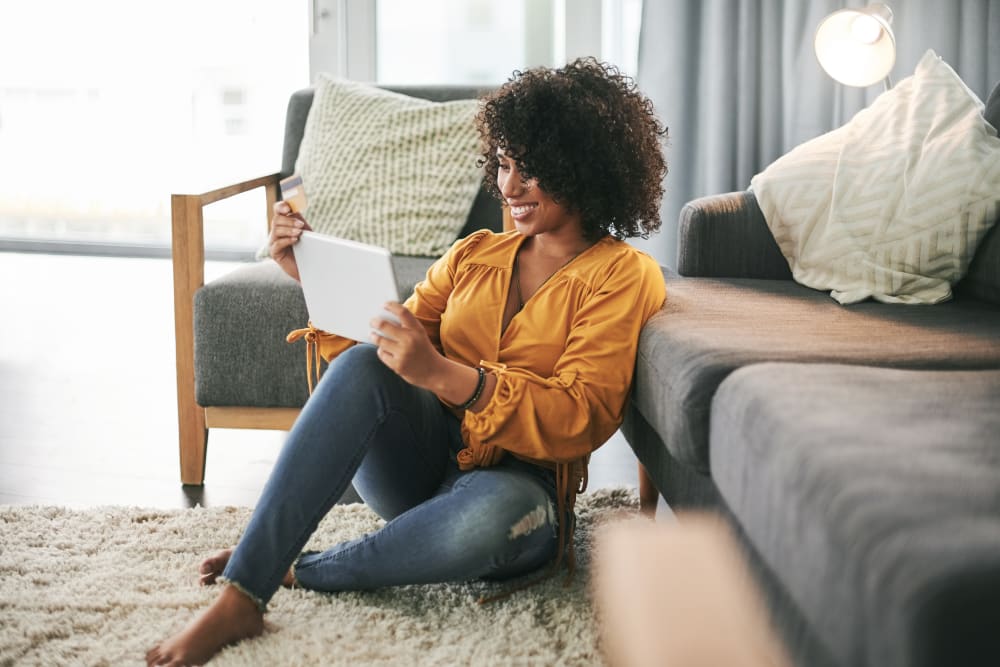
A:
234, 368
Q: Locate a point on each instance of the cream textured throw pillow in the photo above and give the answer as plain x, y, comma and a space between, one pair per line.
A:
388, 169
893, 204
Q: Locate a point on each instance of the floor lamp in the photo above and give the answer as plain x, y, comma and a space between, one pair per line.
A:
856, 46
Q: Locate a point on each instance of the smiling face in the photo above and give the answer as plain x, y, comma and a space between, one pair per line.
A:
534, 211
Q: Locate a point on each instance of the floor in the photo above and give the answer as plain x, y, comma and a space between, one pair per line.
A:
87, 393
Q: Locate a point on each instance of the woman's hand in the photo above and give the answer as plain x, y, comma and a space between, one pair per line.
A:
406, 348
286, 228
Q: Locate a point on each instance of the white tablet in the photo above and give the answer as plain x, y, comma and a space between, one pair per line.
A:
345, 283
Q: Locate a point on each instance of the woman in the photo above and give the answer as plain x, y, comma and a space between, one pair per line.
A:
469, 426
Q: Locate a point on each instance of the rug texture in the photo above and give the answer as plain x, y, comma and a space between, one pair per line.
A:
99, 587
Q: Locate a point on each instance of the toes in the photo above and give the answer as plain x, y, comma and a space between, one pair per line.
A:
157, 657
206, 566
211, 568
209, 573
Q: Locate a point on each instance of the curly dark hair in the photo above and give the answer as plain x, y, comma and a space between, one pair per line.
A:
588, 136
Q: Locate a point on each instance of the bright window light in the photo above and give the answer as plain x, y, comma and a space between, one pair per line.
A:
109, 106
453, 41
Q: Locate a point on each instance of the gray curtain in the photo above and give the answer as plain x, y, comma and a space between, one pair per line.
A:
738, 84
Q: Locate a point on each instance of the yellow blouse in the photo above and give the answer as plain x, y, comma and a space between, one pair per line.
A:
564, 364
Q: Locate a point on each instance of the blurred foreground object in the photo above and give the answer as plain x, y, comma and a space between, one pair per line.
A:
679, 595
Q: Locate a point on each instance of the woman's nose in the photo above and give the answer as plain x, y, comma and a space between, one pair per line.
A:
511, 184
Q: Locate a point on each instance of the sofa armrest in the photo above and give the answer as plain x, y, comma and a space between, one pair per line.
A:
725, 236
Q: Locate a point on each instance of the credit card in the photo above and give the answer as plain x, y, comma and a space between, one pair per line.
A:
293, 193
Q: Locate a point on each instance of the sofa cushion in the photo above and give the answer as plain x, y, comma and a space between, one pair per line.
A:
876, 494
709, 327
240, 324
991, 110
893, 204
486, 212
983, 278
389, 169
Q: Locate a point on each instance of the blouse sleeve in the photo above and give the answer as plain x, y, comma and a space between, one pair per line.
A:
566, 416
430, 296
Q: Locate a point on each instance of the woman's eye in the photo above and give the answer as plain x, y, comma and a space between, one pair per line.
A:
504, 166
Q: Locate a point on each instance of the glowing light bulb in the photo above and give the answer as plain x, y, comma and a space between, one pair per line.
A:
865, 29
857, 47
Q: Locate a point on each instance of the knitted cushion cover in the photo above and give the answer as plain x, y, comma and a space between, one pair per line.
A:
388, 169
893, 204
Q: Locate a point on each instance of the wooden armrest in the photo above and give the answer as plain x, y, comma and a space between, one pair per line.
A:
188, 235
188, 239
230, 190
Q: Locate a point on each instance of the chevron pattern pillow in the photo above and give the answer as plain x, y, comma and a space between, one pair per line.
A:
388, 169
892, 205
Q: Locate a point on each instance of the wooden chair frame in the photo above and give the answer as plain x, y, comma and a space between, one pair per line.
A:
193, 420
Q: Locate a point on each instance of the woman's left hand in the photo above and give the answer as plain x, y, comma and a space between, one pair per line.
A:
405, 347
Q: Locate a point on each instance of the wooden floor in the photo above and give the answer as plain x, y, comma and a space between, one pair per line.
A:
87, 393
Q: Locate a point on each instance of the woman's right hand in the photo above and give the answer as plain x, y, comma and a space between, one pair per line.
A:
286, 228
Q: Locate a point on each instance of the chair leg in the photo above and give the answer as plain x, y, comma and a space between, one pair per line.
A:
648, 495
188, 252
193, 446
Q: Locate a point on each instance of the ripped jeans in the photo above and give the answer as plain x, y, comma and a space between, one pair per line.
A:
398, 444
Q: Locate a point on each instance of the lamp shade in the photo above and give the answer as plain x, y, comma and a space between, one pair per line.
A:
856, 46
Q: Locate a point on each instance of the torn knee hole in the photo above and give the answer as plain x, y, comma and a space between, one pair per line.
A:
530, 522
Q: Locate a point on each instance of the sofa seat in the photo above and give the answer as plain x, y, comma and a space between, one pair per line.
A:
880, 510
240, 324
710, 327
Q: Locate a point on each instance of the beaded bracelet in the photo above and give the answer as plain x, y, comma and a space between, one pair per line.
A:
480, 383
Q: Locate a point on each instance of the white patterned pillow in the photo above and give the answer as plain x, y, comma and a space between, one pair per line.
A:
388, 169
893, 204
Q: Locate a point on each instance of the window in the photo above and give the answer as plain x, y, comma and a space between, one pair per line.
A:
116, 104
620, 34
477, 42
459, 41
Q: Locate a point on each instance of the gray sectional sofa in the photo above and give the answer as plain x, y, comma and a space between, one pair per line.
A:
854, 449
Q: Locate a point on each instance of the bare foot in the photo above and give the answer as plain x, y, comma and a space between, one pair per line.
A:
231, 618
212, 567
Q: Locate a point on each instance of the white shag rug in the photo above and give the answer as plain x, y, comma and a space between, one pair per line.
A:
100, 587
